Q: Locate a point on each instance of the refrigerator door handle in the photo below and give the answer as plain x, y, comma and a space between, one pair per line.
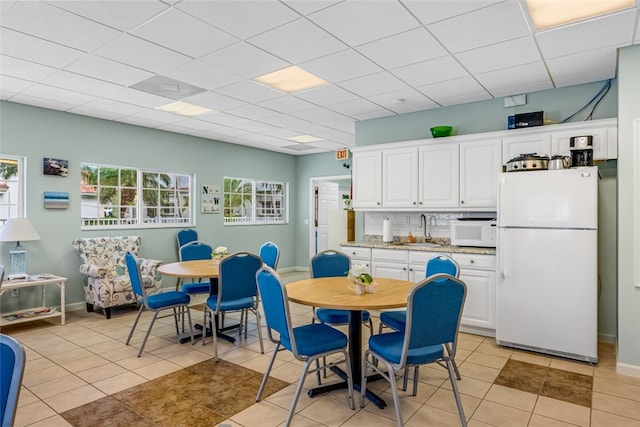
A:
501, 259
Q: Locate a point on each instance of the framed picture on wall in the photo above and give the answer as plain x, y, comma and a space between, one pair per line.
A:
210, 199
57, 167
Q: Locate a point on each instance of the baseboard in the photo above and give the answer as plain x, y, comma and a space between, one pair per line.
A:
629, 370
292, 269
76, 306
607, 338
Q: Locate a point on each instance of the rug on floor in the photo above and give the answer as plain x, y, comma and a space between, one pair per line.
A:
203, 394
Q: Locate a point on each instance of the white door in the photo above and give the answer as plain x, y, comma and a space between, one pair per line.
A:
328, 194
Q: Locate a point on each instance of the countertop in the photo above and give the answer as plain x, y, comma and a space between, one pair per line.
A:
445, 248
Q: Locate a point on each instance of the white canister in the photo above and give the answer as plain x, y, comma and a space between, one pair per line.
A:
387, 231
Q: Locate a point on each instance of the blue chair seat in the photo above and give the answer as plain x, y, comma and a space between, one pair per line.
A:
196, 288
236, 304
396, 320
167, 299
336, 317
316, 338
389, 346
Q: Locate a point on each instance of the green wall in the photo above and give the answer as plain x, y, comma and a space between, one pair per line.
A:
36, 133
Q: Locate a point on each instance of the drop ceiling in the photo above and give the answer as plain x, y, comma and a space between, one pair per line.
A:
380, 58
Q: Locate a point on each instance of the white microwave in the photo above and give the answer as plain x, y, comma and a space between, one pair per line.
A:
474, 232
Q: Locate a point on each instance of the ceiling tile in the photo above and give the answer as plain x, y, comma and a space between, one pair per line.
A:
298, 41
245, 60
250, 111
137, 97
50, 23
116, 107
374, 84
243, 19
305, 7
183, 33
358, 107
50, 104
57, 94
36, 50
140, 121
428, 72
458, 91
493, 24
563, 69
142, 54
121, 14
341, 66
326, 95
108, 70
223, 119
26, 70
99, 114
14, 84
412, 100
429, 12
283, 121
592, 75
202, 74
375, 20
82, 84
249, 91
287, 103
516, 80
406, 48
610, 30
489, 58
214, 101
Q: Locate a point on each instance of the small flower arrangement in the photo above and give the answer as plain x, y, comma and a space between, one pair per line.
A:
220, 251
362, 280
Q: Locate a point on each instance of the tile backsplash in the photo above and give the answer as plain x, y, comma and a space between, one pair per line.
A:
438, 223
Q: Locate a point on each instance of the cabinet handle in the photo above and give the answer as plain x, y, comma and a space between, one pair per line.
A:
414, 203
462, 202
378, 203
420, 203
471, 262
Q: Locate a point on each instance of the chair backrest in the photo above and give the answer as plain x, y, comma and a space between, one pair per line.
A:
270, 254
273, 294
330, 263
12, 361
237, 276
185, 236
135, 277
434, 309
195, 250
442, 264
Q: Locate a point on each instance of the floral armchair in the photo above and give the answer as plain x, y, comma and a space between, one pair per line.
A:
106, 279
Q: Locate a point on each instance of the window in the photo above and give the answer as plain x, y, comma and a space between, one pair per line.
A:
250, 201
110, 198
11, 187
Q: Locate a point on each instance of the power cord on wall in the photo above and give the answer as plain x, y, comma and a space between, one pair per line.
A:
595, 101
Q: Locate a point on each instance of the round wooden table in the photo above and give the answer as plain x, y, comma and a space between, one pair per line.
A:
336, 292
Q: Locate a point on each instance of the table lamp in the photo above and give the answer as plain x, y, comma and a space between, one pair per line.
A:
18, 229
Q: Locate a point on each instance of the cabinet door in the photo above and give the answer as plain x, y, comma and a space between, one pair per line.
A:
439, 176
560, 142
513, 146
479, 170
367, 179
479, 306
390, 270
400, 178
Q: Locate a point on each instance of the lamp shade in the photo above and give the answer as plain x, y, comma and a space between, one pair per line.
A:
18, 230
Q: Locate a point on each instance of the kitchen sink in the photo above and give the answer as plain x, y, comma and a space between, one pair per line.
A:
422, 245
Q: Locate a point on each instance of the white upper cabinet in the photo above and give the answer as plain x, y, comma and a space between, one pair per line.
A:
438, 175
513, 146
367, 179
560, 142
400, 178
479, 170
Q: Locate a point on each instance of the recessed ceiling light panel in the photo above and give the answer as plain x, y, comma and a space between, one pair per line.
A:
303, 139
291, 79
184, 108
552, 13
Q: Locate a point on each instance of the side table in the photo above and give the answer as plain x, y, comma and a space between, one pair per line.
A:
35, 313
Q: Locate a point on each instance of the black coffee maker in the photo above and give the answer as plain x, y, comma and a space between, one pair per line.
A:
581, 148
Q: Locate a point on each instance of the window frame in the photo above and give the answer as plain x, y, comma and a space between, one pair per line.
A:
256, 194
125, 184
18, 189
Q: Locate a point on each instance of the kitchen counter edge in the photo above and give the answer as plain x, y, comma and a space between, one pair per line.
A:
441, 249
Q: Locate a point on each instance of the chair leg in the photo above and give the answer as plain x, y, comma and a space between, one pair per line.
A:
267, 371
135, 323
416, 374
204, 324
347, 362
259, 325
186, 308
215, 335
292, 410
453, 362
144, 341
175, 319
456, 393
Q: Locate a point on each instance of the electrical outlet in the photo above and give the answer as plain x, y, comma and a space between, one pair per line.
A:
15, 292
515, 100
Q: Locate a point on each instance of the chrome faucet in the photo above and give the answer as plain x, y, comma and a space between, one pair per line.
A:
426, 237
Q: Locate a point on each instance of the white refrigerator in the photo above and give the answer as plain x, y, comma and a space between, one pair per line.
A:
547, 262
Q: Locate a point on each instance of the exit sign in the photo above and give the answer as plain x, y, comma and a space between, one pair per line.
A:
342, 154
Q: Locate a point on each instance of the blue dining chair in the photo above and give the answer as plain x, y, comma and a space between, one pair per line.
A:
396, 319
185, 236
434, 309
193, 251
307, 342
270, 254
332, 263
237, 291
12, 361
163, 301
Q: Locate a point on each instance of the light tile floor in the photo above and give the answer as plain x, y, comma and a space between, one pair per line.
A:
85, 360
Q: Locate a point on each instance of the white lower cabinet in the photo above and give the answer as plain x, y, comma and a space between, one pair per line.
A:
390, 263
358, 255
479, 274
